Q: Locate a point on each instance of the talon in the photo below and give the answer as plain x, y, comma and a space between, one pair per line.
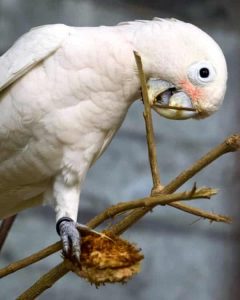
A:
76, 255
65, 243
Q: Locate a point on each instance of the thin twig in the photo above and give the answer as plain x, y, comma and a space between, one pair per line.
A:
202, 213
5, 228
152, 152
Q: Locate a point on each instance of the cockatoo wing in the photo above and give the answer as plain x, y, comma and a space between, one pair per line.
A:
107, 140
29, 50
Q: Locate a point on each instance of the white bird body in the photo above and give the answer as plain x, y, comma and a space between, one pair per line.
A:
65, 91
56, 119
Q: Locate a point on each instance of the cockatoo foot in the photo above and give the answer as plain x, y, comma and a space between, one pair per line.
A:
70, 237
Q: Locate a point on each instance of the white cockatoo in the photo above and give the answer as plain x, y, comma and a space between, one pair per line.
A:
65, 91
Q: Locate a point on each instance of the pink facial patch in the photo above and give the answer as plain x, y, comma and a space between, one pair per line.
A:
195, 93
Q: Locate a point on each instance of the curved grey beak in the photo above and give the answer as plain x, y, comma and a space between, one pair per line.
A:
166, 100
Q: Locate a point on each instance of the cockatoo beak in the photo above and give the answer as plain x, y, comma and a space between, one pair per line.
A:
170, 102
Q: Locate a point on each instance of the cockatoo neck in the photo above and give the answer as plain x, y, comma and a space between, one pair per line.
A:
122, 47
140, 39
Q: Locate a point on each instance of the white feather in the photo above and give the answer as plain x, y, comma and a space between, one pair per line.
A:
29, 50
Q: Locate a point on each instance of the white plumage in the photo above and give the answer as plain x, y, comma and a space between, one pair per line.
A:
65, 91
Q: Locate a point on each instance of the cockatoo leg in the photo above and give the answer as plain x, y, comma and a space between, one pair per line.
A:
66, 195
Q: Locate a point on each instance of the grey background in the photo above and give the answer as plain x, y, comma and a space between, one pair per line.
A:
184, 259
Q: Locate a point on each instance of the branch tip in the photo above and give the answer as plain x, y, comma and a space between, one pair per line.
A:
233, 141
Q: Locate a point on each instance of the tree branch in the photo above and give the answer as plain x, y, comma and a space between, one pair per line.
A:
151, 201
13, 267
231, 144
45, 282
109, 213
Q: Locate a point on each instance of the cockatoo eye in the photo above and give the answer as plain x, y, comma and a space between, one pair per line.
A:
204, 72
201, 73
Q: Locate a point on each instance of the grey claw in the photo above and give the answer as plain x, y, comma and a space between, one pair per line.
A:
76, 255
76, 248
65, 243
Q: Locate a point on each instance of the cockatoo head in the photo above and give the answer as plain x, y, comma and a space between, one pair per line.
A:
186, 70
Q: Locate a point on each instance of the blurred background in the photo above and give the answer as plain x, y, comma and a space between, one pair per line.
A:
185, 258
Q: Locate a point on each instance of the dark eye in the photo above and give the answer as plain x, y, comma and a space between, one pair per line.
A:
204, 72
